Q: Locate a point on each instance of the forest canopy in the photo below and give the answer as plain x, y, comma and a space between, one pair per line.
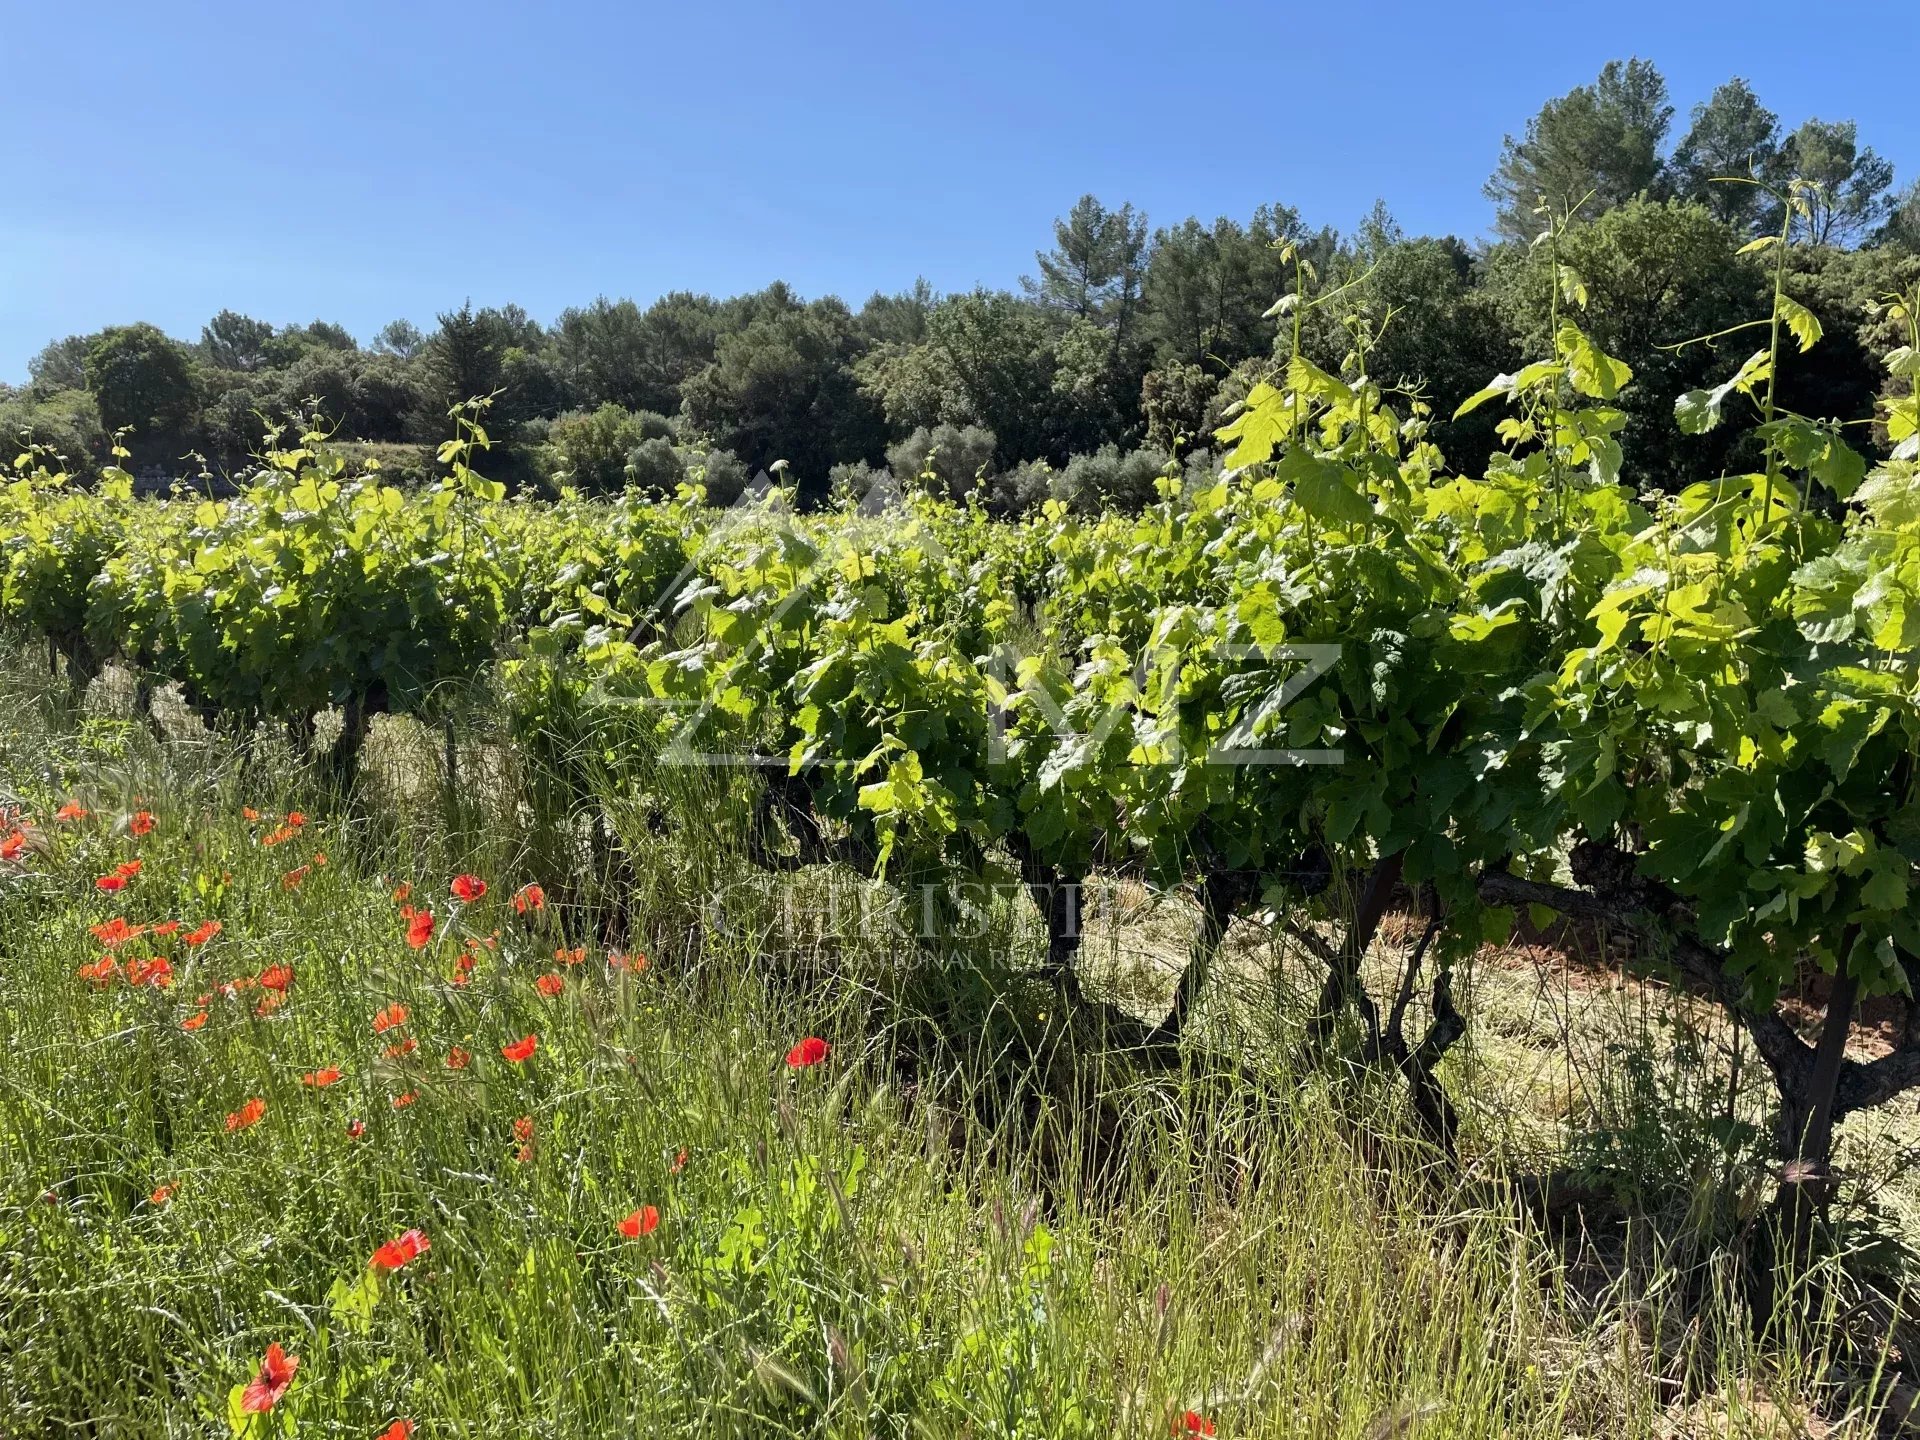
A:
1127, 344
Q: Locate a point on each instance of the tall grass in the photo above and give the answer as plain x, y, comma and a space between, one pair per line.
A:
973, 1218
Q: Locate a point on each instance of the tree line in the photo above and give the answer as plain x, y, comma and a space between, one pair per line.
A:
1126, 348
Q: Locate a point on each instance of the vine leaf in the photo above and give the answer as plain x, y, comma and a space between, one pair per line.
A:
1804, 324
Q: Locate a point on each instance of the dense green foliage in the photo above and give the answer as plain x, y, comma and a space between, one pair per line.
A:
1505, 666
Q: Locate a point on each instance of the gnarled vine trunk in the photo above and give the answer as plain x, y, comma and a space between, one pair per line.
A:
1816, 1086
1222, 895
1343, 987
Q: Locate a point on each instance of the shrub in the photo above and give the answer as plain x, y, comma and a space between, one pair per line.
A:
849, 484
1179, 402
589, 448
723, 473
655, 426
957, 458
1202, 467
655, 466
1016, 491
1109, 480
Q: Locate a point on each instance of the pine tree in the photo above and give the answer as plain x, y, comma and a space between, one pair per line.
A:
1847, 186
1731, 134
1589, 150
1095, 267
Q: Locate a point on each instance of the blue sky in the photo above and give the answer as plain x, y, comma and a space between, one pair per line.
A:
360, 162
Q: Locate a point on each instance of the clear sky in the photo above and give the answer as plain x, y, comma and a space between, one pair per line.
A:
360, 162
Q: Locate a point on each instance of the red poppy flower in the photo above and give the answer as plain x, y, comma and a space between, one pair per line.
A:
320, 859
356, 1128
523, 1128
408, 1245
206, 931
571, 957
156, 971
398, 1430
402, 1048
127, 869
296, 819
116, 932
458, 1059
194, 1021
100, 972
70, 811
521, 1049
401, 892
291, 880
269, 1003
401, 1102
141, 824
388, 1018
247, 812
110, 883
165, 928
162, 1194
643, 1221
247, 1114
271, 1381
1192, 1422
468, 888
528, 899
810, 1051
550, 985
321, 1078
635, 962
420, 929
12, 845
679, 1161
276, 977
278, 837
